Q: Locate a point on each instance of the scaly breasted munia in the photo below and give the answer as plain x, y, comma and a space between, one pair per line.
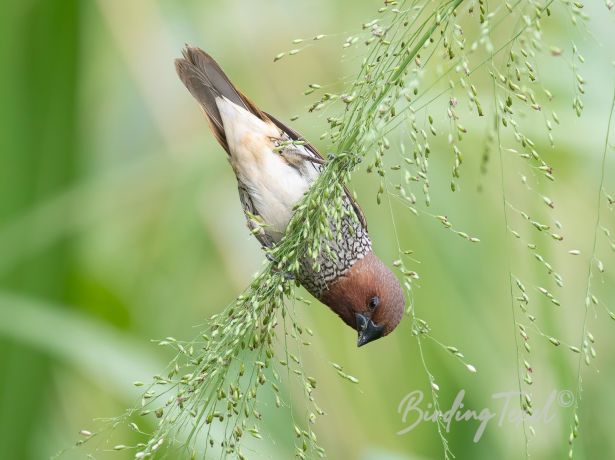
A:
273, 174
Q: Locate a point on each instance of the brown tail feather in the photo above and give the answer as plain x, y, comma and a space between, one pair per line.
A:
205, 80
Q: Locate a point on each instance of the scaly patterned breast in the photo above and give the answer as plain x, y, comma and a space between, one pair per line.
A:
350, 244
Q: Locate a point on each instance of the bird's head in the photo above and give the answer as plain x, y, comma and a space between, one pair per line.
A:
368, 297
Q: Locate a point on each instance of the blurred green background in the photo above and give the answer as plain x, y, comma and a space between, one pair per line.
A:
120, 222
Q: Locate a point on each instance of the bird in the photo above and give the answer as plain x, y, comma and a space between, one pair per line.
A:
275, 166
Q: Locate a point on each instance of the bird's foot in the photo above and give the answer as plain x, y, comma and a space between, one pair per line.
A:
287, 275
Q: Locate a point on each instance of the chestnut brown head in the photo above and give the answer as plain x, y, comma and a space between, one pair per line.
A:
368, 297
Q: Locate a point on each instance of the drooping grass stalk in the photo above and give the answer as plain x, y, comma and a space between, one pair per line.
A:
583, 357
509, 268
217, 378
208, 401
497, 116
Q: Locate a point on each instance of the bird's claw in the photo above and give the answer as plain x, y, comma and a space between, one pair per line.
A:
288, 276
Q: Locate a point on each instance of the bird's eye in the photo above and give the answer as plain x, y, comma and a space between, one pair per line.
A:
373, 302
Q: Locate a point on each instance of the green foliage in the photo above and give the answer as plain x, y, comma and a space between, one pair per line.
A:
475, 88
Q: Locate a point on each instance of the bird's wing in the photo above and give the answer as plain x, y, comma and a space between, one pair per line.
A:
206, 81
318, 158
256, 225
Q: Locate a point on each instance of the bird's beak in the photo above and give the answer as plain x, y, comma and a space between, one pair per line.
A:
367, 329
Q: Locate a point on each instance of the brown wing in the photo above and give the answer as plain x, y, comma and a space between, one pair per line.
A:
205, 80
253, 217
318, 159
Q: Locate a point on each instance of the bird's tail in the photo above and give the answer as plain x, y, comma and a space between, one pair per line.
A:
206, 81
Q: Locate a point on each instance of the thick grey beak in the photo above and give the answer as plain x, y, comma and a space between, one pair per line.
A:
367, 329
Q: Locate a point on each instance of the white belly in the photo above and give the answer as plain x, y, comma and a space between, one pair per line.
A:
274, 185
